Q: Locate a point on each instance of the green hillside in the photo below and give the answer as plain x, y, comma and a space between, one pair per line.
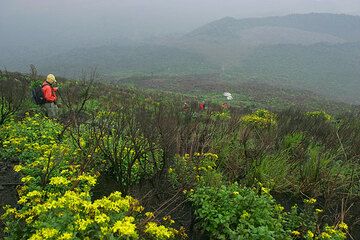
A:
332, 70
246, 95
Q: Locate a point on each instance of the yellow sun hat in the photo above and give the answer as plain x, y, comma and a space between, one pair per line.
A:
51, 78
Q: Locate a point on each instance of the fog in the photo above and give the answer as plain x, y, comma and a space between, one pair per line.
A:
68, 36
62, 24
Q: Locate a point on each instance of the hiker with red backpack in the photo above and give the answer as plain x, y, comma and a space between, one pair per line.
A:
50, 97
202, 106
45, 95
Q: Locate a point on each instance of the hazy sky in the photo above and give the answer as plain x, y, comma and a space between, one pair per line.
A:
60, 22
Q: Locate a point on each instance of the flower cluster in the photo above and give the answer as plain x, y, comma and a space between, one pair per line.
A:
55, 200
261, 118
159, 231
320, 115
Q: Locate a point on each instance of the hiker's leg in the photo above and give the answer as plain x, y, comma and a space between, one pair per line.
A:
44, 109
51, 110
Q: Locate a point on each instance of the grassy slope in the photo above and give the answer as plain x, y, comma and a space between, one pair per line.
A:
331, 70
246, 94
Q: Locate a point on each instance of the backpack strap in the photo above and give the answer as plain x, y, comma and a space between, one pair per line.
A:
47, 84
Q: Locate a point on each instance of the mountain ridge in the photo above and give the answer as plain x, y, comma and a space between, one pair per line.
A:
316, 51
316, 22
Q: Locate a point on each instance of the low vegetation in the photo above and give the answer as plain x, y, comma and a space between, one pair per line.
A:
124, 163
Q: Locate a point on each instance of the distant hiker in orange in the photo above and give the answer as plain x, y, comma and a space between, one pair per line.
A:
49, 92
225, 106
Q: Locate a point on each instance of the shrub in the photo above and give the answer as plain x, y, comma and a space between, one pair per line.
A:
191, 171
130, 156
14, 91
261, 118
231, 211
28, 138
275, 171
320, 115
55, 200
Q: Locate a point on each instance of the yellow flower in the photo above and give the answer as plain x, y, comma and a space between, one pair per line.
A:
279, 208
104, 230
245, 215
310, 201
260, 118
36, 236
29, 219
102, 218
18, 168
39, 209
330, 230
34, 193
310, 233
27, 179
45, 233
57, 181
90, 179
66, 171
66, 236
343, 225
211, 155
321, 114
82, 142
138, 208
159, 232
325, 235
168, 219
22, 200
10, 211
318, 210
82, 224
265, 190
125, 227
295, 233
149, 214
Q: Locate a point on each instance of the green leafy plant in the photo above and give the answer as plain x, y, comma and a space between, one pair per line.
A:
230, 212
197, 170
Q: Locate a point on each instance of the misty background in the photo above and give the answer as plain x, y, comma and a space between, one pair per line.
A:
65, 24
305, 44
